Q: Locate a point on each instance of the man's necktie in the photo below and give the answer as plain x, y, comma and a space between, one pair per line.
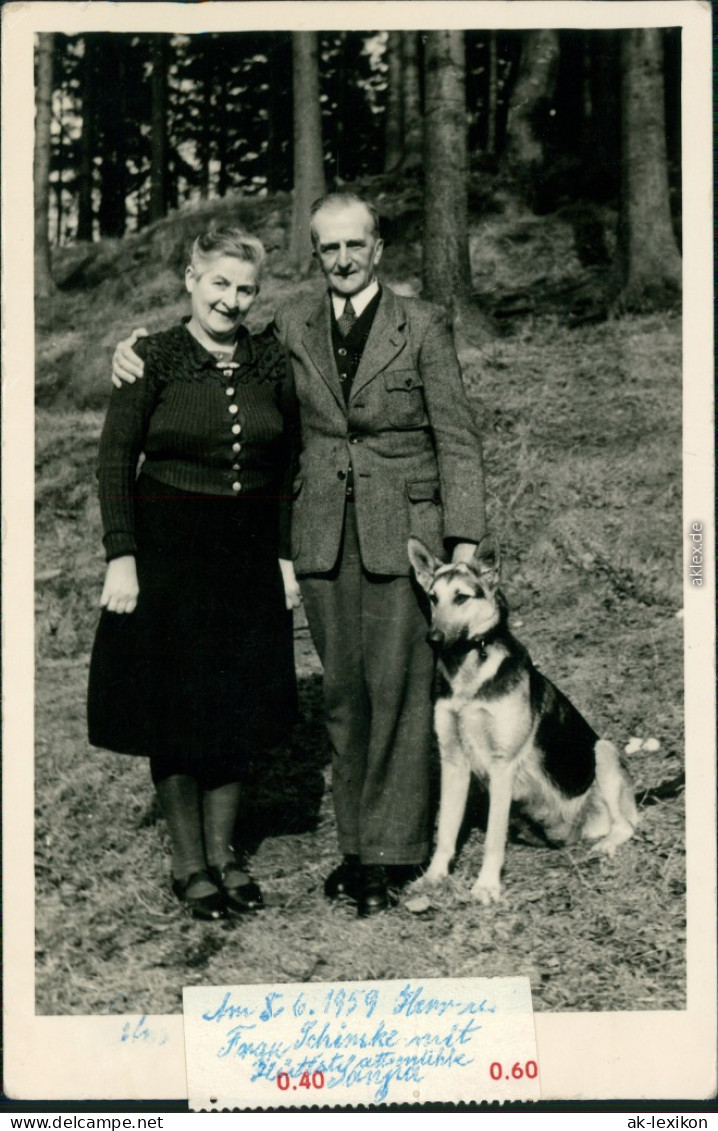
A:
347, 319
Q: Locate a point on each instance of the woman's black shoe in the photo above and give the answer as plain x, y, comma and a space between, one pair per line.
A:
241, 893
345, 881
209, 907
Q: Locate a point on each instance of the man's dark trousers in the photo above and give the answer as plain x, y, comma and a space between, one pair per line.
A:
370, 634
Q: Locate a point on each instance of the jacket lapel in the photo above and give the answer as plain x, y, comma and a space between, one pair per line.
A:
385, 341
317, 339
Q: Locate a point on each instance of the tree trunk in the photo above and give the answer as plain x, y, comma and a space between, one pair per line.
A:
112, 210
223, 126
44, 284
493, 94
446, 273
649, 256
529, 104
85, 213
204, 142
172, 185
603, 139
57, 159
344, 113
272, 150
309, 183
446, 269
393, 115
280, 114
158, 157
587, 84
276, 107
411, 99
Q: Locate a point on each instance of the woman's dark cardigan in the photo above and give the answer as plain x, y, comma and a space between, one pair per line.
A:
203, 426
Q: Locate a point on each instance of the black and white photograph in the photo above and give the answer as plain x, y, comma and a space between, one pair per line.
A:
367, 581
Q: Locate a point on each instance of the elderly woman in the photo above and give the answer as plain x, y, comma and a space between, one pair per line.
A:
192, 665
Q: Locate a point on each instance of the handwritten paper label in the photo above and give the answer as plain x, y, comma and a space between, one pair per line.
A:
408, 1041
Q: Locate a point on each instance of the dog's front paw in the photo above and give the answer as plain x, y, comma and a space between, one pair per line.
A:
607, 845
486, 890
434, 874
603, 847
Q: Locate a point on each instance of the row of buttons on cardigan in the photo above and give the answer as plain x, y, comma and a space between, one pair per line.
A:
236, 429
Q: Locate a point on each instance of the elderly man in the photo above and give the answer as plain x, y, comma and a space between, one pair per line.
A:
388, 449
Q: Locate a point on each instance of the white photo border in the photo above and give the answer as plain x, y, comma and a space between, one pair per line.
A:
598, 1056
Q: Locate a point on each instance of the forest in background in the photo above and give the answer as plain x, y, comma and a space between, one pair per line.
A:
442, 123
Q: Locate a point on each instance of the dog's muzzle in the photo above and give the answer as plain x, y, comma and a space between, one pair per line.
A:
434, 636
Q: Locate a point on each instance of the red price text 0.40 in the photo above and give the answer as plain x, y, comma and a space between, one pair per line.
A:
316, 1080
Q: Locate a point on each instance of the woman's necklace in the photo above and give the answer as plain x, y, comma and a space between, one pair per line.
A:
223, 361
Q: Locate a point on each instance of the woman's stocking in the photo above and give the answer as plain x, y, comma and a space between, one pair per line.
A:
220, 809
179, 797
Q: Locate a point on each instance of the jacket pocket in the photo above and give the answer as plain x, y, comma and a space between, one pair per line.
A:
424, 491
426, 520
296, 541
405, 399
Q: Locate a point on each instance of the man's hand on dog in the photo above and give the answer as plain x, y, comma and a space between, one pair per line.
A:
126, 365
463, 552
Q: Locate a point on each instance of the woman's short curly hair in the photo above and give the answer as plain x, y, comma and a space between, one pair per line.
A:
234, 242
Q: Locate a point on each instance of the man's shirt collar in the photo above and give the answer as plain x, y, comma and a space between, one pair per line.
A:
360, 301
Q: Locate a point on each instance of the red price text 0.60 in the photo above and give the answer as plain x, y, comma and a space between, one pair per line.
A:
516, 1072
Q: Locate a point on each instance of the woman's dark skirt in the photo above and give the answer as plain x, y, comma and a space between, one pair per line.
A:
200, 678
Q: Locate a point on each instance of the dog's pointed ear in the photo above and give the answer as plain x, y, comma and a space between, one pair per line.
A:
423, 561
487, 559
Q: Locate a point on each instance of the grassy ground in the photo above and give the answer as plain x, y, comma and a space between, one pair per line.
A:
582, 442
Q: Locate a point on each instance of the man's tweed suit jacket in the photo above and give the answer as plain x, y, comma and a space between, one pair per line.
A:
407, 432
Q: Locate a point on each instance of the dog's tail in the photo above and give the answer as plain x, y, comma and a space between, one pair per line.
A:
671, 787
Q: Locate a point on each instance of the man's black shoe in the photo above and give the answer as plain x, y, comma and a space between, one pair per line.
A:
400, 875
375, 894
345, 881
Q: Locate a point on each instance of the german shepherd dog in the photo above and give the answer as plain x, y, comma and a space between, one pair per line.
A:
497, 715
